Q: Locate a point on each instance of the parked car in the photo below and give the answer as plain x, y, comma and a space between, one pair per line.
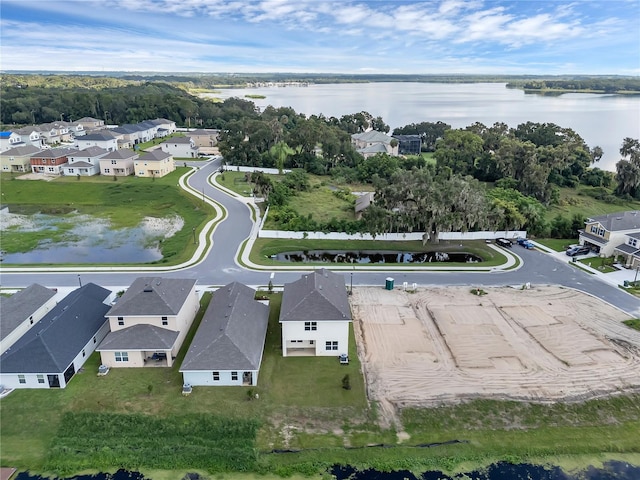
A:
523, 242
577, 250
503, 242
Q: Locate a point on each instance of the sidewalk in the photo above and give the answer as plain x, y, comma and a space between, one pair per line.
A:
616, 278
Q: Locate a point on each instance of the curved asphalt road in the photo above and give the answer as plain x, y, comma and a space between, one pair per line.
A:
220, 267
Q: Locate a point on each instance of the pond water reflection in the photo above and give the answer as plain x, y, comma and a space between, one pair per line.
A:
75, 238
368, 256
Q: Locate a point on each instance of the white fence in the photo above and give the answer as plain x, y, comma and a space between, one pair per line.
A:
391, 236
237, 168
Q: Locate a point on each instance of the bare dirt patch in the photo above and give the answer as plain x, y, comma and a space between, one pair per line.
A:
446, 345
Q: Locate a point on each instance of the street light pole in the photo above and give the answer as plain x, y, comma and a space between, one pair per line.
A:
79, 280
636, 277
194, 235
351, 289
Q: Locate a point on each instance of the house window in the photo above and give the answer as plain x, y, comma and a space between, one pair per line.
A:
601, 232
165, 321
120, 320
83, 353
94, 340
633, 242
122, 356
114, 162
21, 379
331, 346
40, 378
71, 170
312, 342
234, 376
31, 320
594, 229
310, 326
106, 170
216, 376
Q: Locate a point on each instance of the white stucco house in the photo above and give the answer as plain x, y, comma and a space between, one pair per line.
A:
315, 315
104, 139
21, 311
180, 147
84, 162
50, 353
149, 322
228, 346
119, 163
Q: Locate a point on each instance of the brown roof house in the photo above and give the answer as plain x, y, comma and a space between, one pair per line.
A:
315, 315
149, 322
227, 348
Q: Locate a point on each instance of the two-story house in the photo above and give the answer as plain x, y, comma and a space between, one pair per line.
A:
10, 139
227, 348
104, 139
18, 159
315, 315
149, 322
204, 137
84, 162
154, 164
51, 161
119, 163
180, 147
29, 136
606, 232
373, 142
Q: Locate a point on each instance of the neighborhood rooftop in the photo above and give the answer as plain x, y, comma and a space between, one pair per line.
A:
614, 222
153, 296
320, 295
20, 306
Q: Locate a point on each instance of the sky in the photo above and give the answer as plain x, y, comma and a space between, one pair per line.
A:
323, 36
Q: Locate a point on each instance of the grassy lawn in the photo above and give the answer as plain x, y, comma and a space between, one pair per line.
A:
576, 201
634, 323
601, 264
557, 244
263, 248
236, 182
124, 203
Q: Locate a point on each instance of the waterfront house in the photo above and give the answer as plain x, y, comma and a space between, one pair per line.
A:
227, 348
84, 162
204, 137
154, 164
21, 311
315, 315
54, 349
51, 161
373, 142
119, 163
409, 144
18, 159
149, 322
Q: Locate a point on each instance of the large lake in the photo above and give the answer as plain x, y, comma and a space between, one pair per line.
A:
603, 120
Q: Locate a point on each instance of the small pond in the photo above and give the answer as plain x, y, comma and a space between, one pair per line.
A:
374, 257
76, 238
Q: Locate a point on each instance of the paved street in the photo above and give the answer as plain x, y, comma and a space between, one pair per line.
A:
219, 267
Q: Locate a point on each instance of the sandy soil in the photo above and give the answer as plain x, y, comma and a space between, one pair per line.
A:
447, 345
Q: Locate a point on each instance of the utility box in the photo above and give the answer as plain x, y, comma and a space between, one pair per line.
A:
388, 283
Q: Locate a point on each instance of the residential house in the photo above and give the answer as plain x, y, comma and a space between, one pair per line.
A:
85, 162
90, 123
606, 232
227, 348
409, 144
149, 322
10, 140
51, 133
164, 127
50, 353
104, 139
363, 201
20, 311
180, 147
51, 161
629, 251
18, 159
26, 136
118, 163
315, 315
373, 142
204, 137
155, 163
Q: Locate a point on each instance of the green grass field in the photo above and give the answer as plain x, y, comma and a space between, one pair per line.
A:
124, 203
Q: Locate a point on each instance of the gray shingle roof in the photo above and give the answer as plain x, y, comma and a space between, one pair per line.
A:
178, 140
154, 156
372, 136
101, 136
232, 332
20, 151
153, 296
363, 201
20, 306
51, 344
120, 154
56, 152
91, 152
320, 295
139, 337
615, 222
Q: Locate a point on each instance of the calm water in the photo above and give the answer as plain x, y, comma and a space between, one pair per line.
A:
603, 120
363, 257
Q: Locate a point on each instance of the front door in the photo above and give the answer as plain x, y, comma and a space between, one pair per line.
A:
54, 381
247, 378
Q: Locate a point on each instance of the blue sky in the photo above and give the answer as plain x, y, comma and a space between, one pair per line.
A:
367, 36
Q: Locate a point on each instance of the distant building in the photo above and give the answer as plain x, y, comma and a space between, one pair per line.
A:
119, 163
180, 147
154, 164
409, 144
373, 142
18, 159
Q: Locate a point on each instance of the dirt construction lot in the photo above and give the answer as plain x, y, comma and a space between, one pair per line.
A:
542, 344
